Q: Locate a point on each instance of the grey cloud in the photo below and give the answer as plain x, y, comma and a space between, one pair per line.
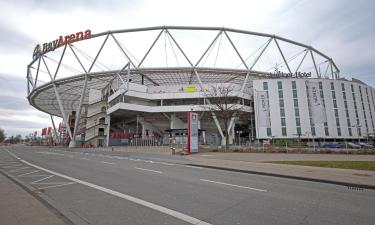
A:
14, 103
13, 40
13, 84
342, 29
66, 5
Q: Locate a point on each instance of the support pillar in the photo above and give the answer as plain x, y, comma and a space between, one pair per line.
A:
108, 129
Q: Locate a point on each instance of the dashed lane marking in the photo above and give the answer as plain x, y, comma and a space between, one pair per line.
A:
107, 162
154, 171
22, 175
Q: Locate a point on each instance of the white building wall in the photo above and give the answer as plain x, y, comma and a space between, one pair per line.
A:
276, 130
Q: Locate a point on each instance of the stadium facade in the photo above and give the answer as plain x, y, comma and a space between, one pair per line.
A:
112, 90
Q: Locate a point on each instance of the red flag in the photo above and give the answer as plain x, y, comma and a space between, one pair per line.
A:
44, 131
49, 130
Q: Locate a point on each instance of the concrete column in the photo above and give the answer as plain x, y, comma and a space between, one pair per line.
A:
108, 129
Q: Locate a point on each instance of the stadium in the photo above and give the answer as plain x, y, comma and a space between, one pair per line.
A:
136, 87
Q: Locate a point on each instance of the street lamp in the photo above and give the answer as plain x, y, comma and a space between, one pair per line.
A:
358, 126
239, 132
312, 137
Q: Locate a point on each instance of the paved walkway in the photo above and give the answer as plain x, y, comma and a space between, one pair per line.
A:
254, 162
20, 208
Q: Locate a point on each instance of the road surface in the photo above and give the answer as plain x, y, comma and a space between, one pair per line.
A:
135, 188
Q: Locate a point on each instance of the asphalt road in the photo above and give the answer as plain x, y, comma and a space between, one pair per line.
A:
135, 188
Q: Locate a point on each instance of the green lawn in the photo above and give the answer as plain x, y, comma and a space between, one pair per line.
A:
355, 165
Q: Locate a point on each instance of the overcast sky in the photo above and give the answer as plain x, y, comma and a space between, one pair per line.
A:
343, 29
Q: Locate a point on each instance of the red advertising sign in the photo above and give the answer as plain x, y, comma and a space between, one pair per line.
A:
60, 41
44, 131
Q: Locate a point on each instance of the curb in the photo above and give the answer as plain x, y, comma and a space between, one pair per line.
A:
346, 184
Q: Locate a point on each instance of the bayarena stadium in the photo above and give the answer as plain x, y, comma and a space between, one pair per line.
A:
139, 86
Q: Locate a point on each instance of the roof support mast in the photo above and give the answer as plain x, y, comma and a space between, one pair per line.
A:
200, 83
62, 110
79, 107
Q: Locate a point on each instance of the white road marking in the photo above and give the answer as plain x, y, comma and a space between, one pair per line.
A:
194, 167
15, 170
45, 178
13, 166
107, 162
233, 185
138, 201
13, 154
85, 158
35, 171
155, 171
50, 153
58, 185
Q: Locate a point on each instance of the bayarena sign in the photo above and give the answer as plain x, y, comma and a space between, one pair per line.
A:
61, 41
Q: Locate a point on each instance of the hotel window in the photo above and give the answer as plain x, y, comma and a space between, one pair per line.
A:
356, 110
282, 112
296, 108
363, 108
283, 131
265, 88
281, 105
369, 108
294, 93
279, 85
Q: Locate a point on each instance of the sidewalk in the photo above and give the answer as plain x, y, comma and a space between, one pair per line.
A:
18, 207
254, 163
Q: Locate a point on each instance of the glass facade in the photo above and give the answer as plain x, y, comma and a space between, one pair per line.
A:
363, 108
296, 108
369, 109
356, 110
265, 88
282, 109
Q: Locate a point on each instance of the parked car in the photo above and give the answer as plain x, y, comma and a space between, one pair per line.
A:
352, 145
331, 145
365, 145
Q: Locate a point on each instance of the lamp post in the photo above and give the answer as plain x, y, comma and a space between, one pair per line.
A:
239, 132
312, 137
358, 126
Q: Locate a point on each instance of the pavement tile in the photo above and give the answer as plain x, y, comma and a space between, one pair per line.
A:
19, 207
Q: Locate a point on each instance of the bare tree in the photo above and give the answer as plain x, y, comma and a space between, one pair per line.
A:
220, 99
2, 135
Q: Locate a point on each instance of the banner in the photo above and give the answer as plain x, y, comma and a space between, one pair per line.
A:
318, 113
263, 108
44, 131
